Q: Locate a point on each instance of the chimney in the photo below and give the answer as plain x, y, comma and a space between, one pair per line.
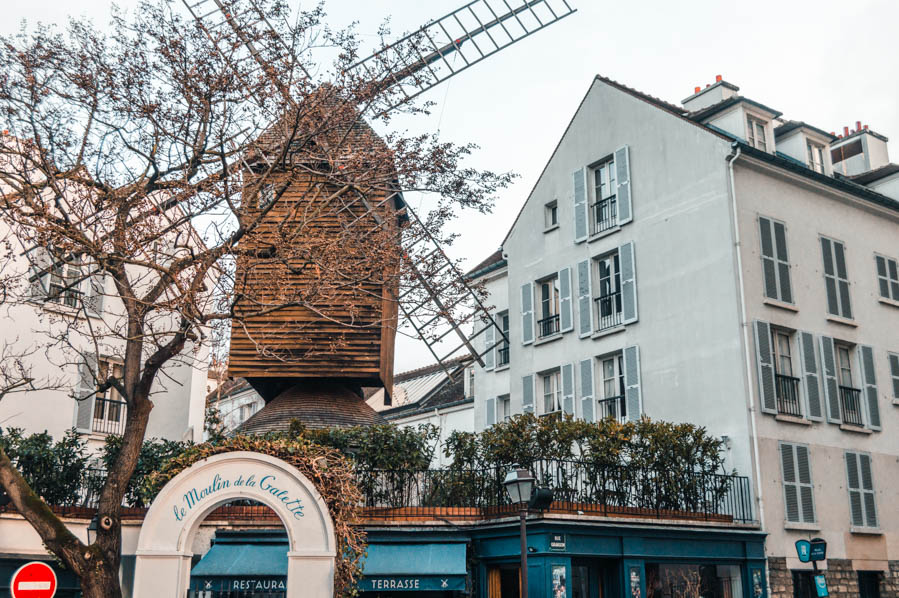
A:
845, 131
712, 93
863, 151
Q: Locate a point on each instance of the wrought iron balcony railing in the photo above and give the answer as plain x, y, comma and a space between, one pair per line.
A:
608, 311
109, 416
851, 406
613, 407
605, 215
502, 356
787, 388
548, 326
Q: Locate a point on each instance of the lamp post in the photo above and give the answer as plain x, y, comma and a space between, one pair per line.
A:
92, 528
519, 484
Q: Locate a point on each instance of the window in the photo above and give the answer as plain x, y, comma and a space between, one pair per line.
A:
109, 407
786, 384
503, 408
836, 278
676, 580
266, 196
470, 383
850, 396
862, 510
755, 133
804, 585
551, 215
888, 277
815, 157
549, 307
608, 301
799, 502
605, 205
894, 373
611, 401
502, 348
775, 264
552, 394
65, 283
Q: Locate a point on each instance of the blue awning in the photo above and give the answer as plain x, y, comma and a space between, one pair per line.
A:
243, 561
414, 567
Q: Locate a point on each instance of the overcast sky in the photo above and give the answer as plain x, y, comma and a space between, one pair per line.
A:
827, 62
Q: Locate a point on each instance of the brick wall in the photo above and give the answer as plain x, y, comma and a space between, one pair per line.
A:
842, 579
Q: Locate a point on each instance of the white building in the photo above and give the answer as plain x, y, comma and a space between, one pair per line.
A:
71, 338
236, 401
713, 263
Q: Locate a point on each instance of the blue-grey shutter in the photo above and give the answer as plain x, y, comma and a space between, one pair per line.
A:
566, 319
39, 260
586, 380
856, 508
867, 489
894, 373
628, 264
632, 394
765, 364
806, 488
810, 380
527, 313
86, 387
527, 394
783, 263
568, 388
490, 417
580, 205
490, 343
869, 388
96, 291
829, 377
623, 176
769, 263
584, 299
791, 488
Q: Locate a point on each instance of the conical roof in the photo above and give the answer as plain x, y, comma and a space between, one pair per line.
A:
315, 403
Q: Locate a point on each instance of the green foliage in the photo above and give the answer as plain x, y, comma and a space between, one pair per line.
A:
154, 454
385, 447
54, 470
213, 425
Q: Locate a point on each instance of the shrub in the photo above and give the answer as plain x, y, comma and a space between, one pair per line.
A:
54, 470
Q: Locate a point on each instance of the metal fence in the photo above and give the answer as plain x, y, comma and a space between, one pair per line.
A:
583, 486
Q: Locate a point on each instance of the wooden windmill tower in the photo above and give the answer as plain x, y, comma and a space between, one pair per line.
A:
310, 354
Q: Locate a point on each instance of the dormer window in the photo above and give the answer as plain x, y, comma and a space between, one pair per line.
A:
815, 157
755, 133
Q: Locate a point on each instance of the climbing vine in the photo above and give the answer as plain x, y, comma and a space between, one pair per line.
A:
330, 473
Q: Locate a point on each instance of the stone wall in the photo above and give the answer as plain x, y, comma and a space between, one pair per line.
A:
842, 579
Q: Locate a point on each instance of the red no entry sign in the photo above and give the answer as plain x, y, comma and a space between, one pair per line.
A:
33, 580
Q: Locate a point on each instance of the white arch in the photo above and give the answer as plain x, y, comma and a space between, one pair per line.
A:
162, 566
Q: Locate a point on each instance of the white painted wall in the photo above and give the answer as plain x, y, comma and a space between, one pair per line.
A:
446, 420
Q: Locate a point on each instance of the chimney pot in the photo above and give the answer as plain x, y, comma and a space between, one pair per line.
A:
858, 125
866, 127
697, 89
846, 131
717, 78
707, 85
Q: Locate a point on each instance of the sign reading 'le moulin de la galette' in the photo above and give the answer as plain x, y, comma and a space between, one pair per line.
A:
267, 484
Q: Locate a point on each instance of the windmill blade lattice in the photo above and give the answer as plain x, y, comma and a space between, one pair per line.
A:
453, 43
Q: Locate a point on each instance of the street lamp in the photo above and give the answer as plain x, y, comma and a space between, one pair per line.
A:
519, 484
92, 528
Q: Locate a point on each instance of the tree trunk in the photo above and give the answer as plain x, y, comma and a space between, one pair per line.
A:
101, 583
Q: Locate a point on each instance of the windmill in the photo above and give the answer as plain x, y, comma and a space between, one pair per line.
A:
432, 300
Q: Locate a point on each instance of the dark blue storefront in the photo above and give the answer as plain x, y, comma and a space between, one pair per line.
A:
573, 557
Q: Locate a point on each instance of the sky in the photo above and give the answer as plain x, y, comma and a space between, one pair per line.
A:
826, 62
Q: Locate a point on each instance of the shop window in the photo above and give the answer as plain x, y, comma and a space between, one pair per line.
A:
687, 580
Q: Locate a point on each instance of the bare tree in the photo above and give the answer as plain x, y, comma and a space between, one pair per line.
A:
142, 168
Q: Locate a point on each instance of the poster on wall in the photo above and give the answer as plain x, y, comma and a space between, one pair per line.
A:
559, 588
635, 582
757, 588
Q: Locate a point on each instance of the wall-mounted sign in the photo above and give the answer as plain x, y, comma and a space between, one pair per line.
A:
452, 583
821, 586
240, 584
557, 542
818, 550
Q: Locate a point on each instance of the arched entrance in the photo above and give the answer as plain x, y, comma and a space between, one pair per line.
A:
163, 561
